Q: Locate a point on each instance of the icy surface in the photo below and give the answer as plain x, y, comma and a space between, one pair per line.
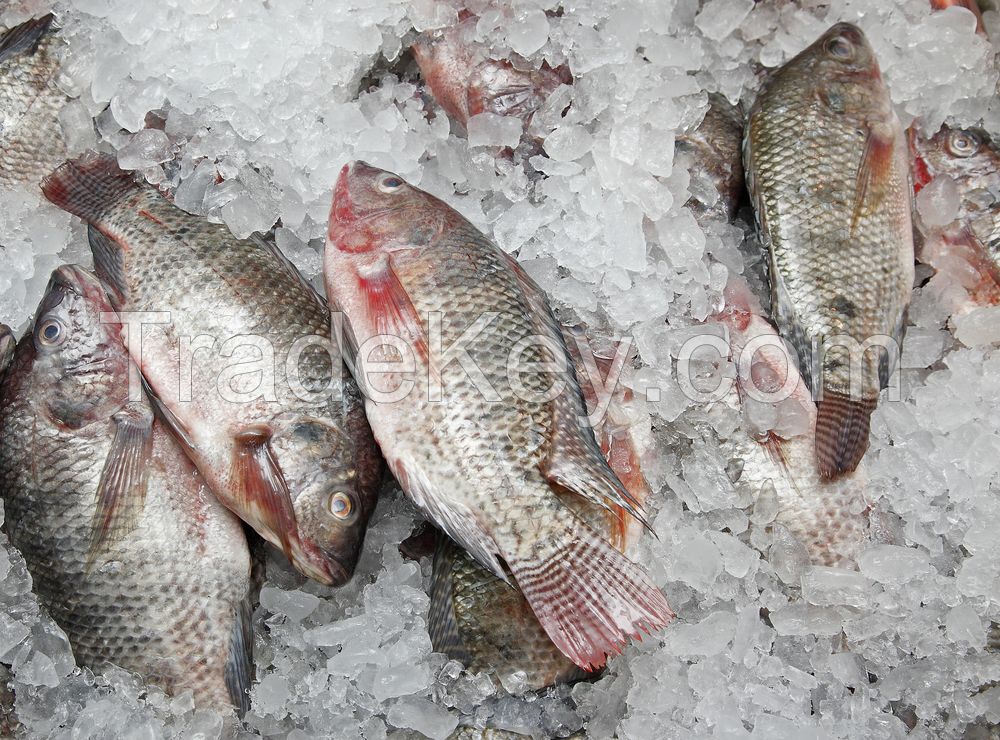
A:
255, 111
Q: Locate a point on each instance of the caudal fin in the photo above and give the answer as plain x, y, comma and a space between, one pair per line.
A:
88, 186
590, 599
842, 427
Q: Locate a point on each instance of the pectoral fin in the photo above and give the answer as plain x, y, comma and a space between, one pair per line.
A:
873, 173
390, 308
263, 498
121, 491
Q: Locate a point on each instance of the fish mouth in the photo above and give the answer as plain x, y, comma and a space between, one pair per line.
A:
318, 566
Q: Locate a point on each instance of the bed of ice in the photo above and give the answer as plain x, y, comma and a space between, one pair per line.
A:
265, 100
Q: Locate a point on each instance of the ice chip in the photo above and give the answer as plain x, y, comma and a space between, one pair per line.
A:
938, 202
489, 129
427, 718
528, 32
145, 149
719, 18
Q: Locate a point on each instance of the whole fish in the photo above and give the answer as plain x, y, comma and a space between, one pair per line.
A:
479, 441
829, 517
477, 618
127, 548
827, 171
31, 138
714, 152
465, 81
968, 249
265, 411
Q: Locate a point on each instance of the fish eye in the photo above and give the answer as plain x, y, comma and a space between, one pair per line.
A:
963, 143
51, 333
389, 184
840, 48
339, 504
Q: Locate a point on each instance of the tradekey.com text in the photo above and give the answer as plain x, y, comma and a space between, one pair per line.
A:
708, 367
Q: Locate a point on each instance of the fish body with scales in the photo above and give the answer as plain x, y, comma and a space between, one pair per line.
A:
477, 443
827, 171
829, 518
127, 549
284, 444
479, 619
31, 137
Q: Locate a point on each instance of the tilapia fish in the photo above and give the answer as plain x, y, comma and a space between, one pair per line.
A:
465, 81
714, 152
481, 441
480, 620
967, 249
263, 408
128, 550
829, 517
31, 138
827, 171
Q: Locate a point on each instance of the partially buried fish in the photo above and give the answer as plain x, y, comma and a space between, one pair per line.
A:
128, 550
466, 81
479, 619
829, 518
963, 165
827, 171
265, 411
31, 138
714, 151
486, 440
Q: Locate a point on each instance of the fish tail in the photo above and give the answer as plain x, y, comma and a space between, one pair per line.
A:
589, 598
87, 187
842, 426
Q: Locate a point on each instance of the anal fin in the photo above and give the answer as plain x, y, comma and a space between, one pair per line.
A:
238, 673
121, 491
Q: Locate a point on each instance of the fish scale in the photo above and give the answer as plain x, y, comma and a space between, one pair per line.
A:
31, 139
827, 171
485, 467
166, 597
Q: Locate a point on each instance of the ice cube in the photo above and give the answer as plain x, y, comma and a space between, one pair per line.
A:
145, 149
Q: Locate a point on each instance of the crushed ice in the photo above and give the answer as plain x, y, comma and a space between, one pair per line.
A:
247, 116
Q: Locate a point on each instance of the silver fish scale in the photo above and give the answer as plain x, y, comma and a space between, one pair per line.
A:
803, 167
31, 139
463, 276
164, 600
180, 261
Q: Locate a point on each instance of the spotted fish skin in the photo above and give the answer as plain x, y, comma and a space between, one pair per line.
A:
827, 171
31, 138
163, 591
480, 620
486, 466
286, 446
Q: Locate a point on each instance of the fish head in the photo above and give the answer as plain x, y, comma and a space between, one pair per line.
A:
332, 499
842, 70
378, 210
966, 155
446, 60
74, 352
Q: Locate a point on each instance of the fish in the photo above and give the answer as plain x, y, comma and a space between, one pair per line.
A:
715, 151
284, 442
127, 548
830, 518
479, 619
484, 456
968, 249
827, 171
31, 138
465, 81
